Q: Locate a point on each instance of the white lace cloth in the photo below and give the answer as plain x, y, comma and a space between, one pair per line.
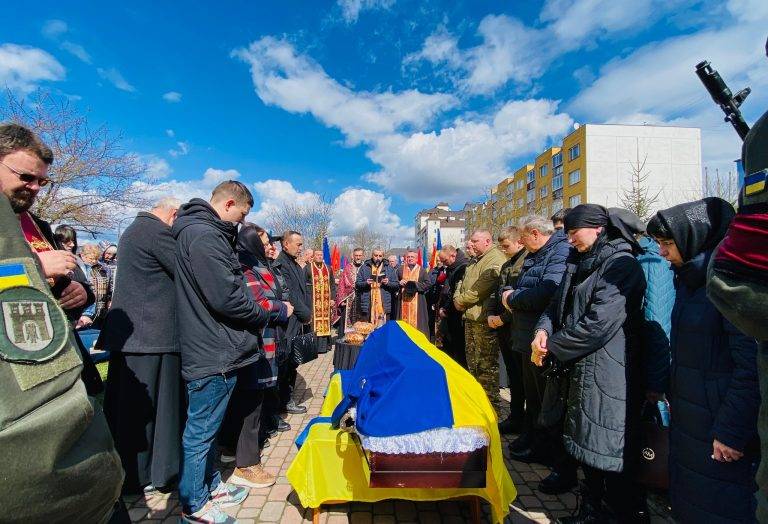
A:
441, 440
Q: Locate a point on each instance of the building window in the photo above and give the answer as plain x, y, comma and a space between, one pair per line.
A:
557, 182
574, 201
543, 171
574, 152
557, 160
557, 205
543, 192
557, 170
519, 185
574, 177
531, 196
530, 177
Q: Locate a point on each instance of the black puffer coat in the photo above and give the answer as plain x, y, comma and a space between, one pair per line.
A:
594, 325
536, 284
714, 395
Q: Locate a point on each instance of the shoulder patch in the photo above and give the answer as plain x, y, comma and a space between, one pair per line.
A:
755, 183
12, 275
34, 329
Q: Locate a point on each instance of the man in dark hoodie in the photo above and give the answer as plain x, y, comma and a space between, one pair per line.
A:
218, 326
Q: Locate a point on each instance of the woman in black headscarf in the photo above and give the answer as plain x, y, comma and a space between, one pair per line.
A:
714, 395
592, 326
245, 413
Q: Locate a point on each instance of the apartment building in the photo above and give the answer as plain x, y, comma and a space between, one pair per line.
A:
451, 224
598, 164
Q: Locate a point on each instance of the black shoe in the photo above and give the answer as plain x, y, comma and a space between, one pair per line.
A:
520, 443
282, 425
264, 444
295, 409
557, 483
528, 456
271, 433
589, 513
510, 425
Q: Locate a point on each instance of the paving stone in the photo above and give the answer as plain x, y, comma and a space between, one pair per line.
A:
292, 515
429, 517
360, 517
385, 507
254, 501
248, 513
405, 509
272, 511
280, 492
337, 519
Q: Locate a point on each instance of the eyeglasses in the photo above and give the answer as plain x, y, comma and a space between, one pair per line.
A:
28, 178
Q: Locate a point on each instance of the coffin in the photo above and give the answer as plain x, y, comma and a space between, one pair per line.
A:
430, 470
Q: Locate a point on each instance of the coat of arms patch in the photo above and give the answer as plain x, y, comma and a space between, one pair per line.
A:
34, 327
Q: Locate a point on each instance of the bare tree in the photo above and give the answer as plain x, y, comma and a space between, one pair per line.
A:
367, 239
309, 219
722, 186
638, 198
94, 178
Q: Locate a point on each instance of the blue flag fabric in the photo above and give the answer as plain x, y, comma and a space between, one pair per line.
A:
439, 240
396, 386
326, 252
424, 259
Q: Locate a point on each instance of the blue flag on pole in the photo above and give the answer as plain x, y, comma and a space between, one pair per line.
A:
439, 240
424, 259
326, 252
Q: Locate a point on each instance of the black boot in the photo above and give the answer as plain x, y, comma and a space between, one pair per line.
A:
558, 482
511, 425
590, 510
281, 425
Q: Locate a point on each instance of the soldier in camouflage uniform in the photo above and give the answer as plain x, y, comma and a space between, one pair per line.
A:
58, 460
473, 296
737, 280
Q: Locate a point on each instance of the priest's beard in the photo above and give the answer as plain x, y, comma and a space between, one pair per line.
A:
21, 200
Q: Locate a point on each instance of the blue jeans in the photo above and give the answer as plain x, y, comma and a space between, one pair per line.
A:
208, 398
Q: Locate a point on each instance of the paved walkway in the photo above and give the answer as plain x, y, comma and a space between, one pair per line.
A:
280, 504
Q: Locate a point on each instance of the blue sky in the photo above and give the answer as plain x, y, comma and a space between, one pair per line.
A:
384, 106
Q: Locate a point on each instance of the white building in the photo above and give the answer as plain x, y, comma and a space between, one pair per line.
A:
451, 225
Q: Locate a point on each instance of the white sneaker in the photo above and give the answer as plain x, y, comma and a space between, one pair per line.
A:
226, 459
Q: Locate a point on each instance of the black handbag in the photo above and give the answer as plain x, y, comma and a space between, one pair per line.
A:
555, 397
303, 348
653, 465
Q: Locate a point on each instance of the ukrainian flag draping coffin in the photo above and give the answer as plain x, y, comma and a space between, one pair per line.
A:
401, 386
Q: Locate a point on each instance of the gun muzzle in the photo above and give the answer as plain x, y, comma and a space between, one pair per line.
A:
723, 96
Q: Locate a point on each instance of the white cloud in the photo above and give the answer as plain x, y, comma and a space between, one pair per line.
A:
172, 97
156, 168
76, 50
657, 84
213, 177
182, 148
462, 160
748, 10
22, 68
350, 9
351, 209
298, 84
54, 28
457, 161
170, 133
512, 51
355, 208
116, 78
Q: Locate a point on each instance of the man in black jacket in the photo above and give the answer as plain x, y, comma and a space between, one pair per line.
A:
298, 291
143, 401
376, 282
451, 323
218, 326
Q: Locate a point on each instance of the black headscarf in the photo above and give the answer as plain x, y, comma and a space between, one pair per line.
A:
617, 223
694, 226
250, 248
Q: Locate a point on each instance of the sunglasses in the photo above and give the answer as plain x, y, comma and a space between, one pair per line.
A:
28, 178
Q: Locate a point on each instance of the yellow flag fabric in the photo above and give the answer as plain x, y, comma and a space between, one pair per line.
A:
330, 466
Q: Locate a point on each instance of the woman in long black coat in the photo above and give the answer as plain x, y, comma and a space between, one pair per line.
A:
714, 394
592, 326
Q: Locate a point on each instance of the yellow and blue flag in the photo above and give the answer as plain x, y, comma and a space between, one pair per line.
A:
12, 275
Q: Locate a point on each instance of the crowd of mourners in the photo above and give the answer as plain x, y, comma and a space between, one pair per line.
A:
598, 319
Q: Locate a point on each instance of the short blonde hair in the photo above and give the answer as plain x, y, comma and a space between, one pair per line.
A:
509, 233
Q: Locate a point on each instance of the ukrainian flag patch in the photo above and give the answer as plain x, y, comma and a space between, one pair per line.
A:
12, 275
755, 183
